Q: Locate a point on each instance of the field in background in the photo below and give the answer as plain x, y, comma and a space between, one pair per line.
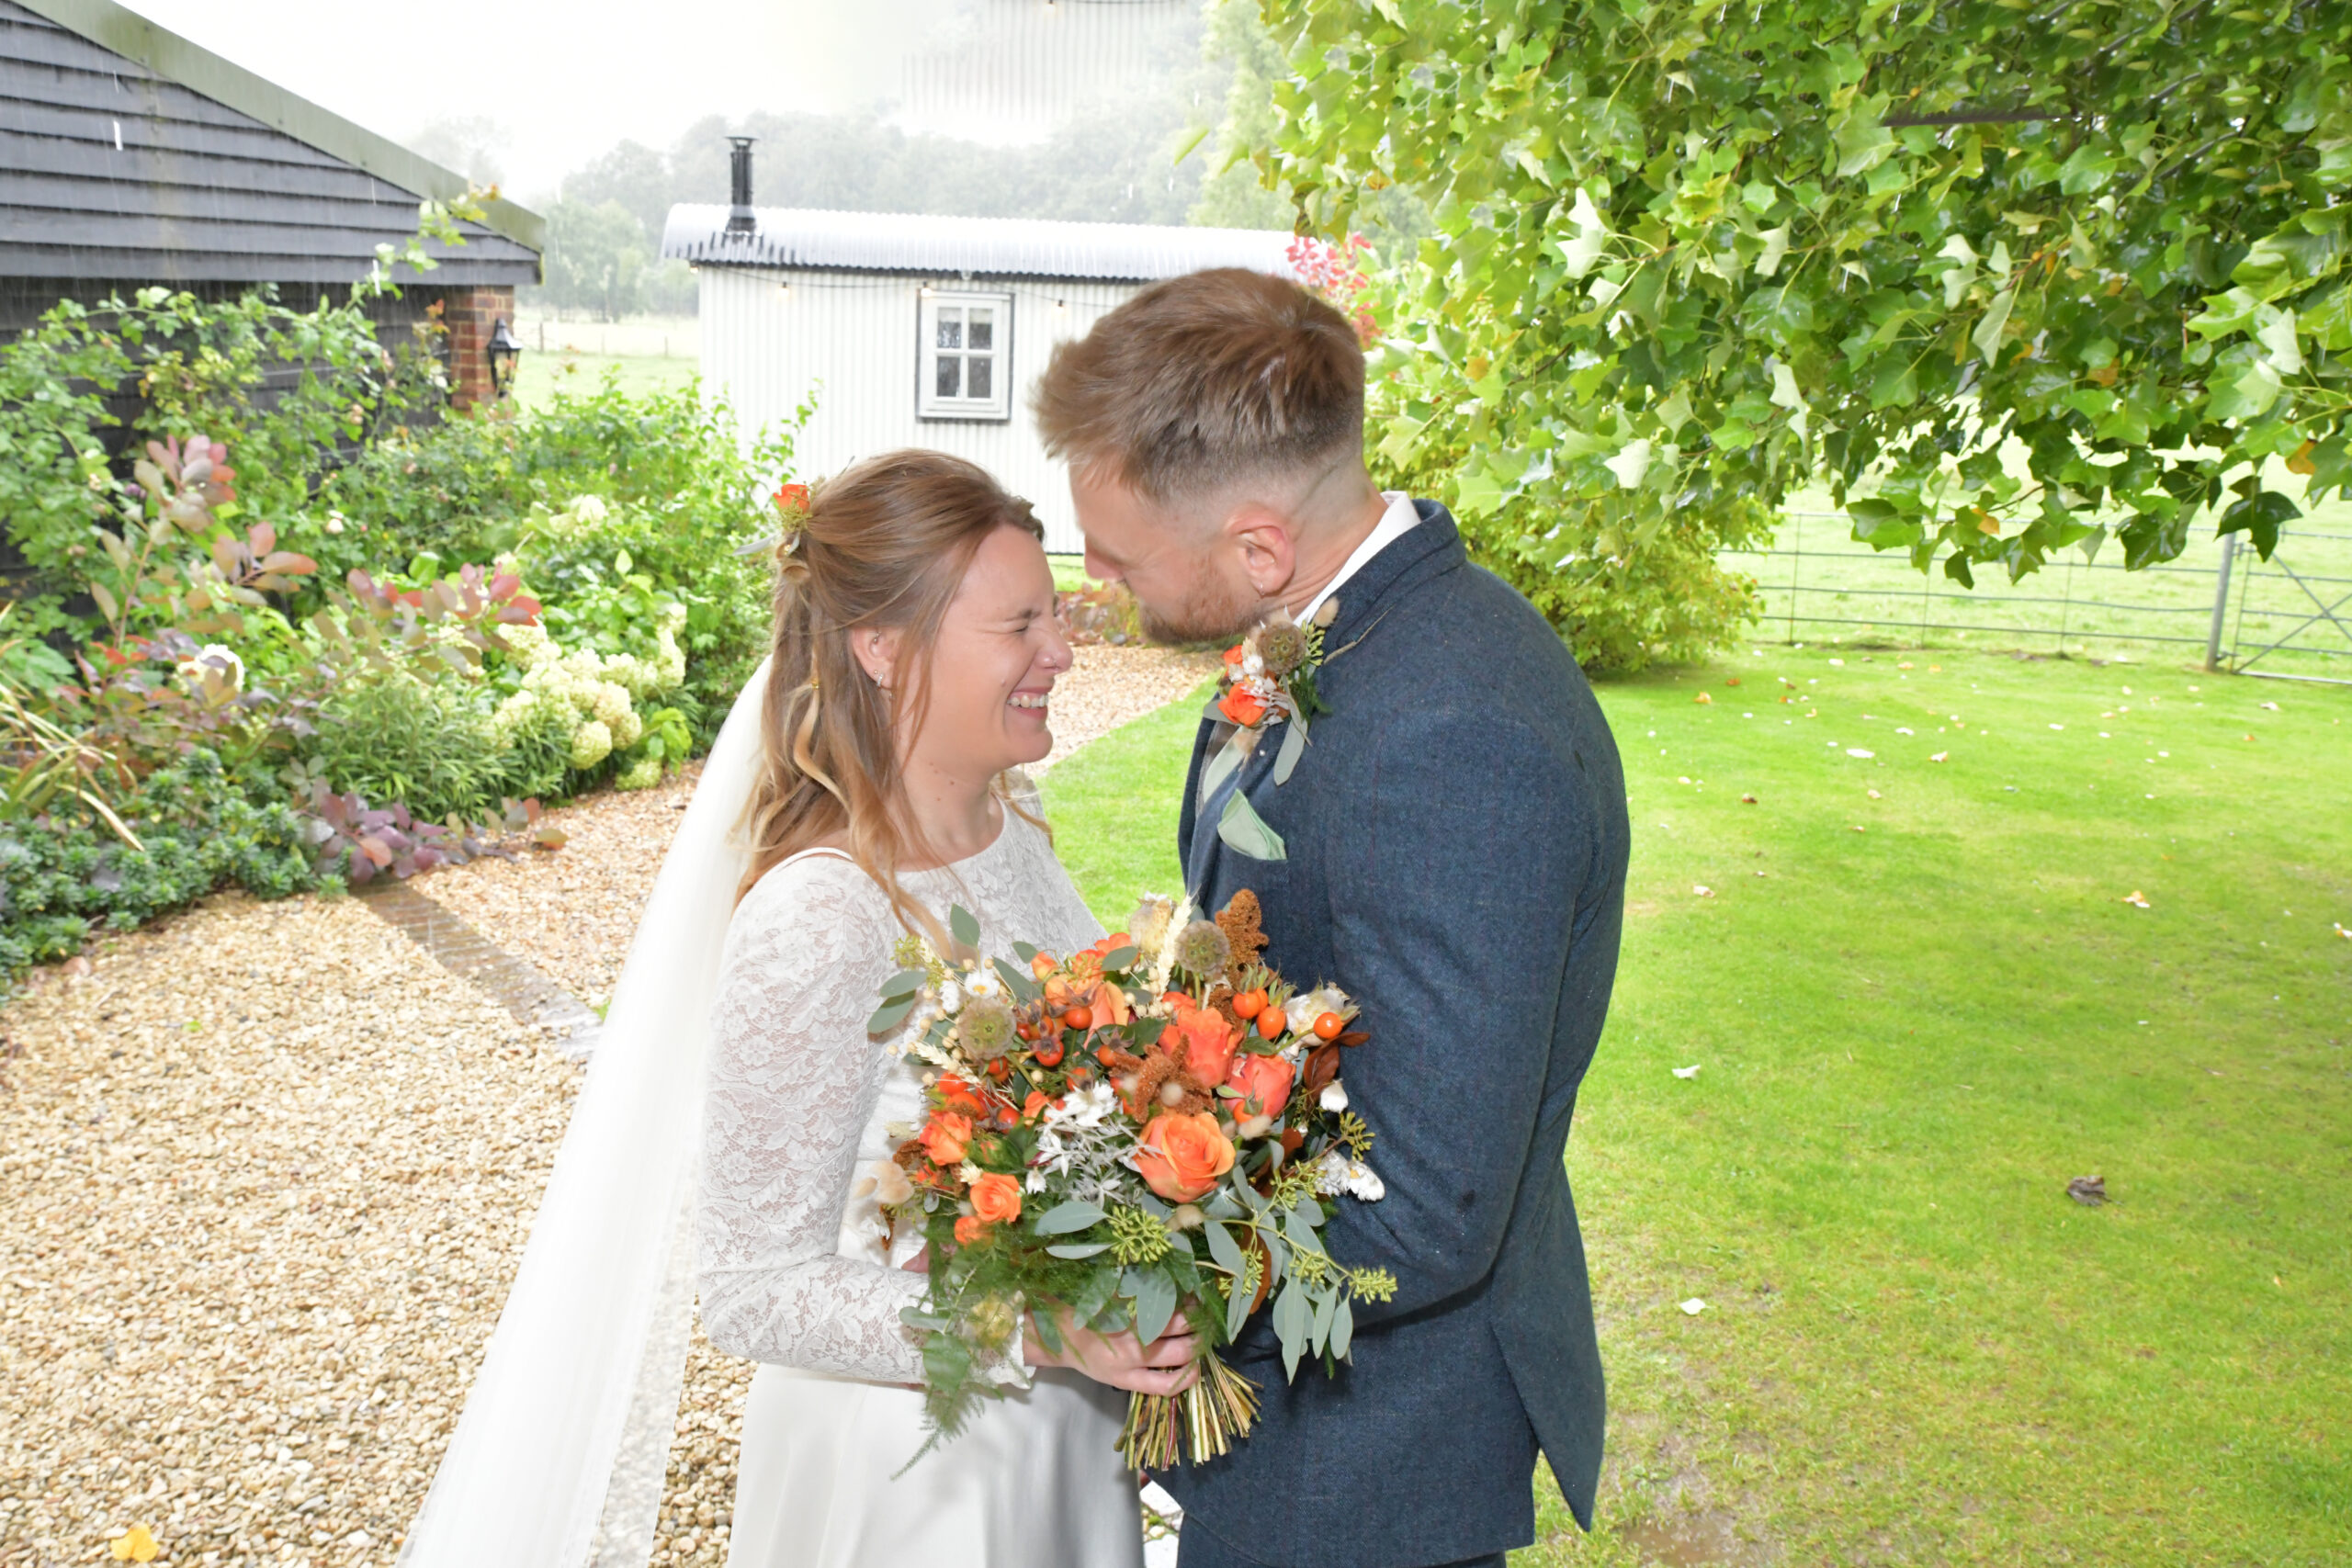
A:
1821, 587
1849, 1311
647, 353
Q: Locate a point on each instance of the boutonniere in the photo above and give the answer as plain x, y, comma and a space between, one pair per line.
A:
1269, 680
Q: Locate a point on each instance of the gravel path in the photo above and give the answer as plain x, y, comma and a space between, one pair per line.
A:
266, 1171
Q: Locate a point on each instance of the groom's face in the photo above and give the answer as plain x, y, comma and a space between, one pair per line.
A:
1186, 575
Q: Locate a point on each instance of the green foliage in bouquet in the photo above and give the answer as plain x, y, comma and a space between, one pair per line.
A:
2009, 278
1150, 1128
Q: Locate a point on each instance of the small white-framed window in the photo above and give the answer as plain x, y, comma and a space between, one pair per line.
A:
965, 368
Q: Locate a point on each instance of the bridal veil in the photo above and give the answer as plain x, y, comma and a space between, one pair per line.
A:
560, 1454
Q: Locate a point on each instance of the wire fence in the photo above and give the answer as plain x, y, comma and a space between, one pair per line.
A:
2219, 606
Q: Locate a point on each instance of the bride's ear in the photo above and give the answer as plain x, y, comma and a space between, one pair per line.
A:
875, 649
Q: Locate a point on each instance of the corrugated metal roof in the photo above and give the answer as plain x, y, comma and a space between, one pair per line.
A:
989, 247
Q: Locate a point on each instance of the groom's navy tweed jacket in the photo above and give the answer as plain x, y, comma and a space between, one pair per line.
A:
1455, 844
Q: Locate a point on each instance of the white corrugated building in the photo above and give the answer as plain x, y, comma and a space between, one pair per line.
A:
912, 331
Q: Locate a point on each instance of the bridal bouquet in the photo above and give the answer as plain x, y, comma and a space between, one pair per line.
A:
1148, 1127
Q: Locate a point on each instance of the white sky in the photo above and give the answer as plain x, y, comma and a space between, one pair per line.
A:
566, 78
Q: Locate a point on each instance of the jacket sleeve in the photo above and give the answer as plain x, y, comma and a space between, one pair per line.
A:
1455, 877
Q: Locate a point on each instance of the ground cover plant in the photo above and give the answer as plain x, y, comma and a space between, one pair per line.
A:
1849, 1311
286, 652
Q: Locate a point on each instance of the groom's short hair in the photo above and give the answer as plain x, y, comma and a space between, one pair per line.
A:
1205, 379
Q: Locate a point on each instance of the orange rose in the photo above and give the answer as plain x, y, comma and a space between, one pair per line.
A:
996, 1200
1242, 707
1110, 1005
1182, 1157
1085, 969
1042, 965
968, 1229
1204, 1045
1264, 1080
945, 1137
1112, 943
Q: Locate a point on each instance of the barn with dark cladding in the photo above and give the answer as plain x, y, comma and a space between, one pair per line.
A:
131, 158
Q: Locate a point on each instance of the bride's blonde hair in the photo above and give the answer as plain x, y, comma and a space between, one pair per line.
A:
884, 544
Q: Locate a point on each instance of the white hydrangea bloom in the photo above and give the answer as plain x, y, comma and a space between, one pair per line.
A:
589, 508
626, 728
591, 744
529, 645
643, 773
610, 702
637, 677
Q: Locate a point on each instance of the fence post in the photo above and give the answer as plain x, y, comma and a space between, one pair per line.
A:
2221, 603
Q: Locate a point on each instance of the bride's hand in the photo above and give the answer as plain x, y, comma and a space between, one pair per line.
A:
1164, 1366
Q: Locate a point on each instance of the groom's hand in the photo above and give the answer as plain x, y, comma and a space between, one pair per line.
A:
1164, 1366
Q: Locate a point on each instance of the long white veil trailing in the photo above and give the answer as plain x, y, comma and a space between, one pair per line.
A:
558, 1457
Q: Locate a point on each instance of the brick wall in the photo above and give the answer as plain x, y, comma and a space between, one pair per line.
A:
469, 314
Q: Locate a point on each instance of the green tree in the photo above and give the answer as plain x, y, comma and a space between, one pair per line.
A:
598, 258
2011, 275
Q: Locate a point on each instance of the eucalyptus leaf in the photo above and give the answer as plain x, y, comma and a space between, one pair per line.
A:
1155, 1299
1073, 1215
905, 983
962, 925
1343, 1329
1022, 986
1219, 768
1078, 1249
1294, 747
1223, 1248
888, 1016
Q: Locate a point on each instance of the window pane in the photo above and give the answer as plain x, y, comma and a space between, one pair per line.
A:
981, 377
983, 328
951, 380
951, 326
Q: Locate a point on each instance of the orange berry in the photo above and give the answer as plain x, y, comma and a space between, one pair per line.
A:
1271, 1022
1078, 1017
1328, 1027
1249, 1004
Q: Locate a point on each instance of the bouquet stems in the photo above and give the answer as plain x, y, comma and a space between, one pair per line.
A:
1205, 1419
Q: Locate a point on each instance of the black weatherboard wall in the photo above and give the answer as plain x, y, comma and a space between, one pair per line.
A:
130, 157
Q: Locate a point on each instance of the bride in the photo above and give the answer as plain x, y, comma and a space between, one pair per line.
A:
869, 764
915, 648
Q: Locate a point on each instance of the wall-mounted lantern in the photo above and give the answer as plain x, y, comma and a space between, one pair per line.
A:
505, 348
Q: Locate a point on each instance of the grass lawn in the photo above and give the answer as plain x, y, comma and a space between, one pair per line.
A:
1916, 1014
537, 377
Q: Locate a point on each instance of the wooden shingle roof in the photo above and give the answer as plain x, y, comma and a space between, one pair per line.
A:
128, 153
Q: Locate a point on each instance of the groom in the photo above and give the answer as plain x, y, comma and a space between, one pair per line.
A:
1449, 849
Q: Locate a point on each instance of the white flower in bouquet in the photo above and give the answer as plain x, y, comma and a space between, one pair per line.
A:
1334, 1097
1335, 1172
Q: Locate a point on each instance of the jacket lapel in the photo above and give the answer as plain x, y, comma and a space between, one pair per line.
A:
1432, 547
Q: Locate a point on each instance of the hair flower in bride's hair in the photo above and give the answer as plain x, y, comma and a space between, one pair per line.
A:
792, 505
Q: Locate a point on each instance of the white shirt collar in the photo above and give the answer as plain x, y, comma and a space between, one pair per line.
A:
1393, 525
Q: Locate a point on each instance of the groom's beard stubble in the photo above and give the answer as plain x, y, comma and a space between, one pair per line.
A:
1208, 613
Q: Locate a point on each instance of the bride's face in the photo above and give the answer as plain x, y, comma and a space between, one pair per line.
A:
998, 653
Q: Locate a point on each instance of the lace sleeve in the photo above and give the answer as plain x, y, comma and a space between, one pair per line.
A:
792, 1081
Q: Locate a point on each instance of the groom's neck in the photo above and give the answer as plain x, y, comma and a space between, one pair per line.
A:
1334, 517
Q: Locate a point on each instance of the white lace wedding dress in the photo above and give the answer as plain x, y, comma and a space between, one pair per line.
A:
795, 1271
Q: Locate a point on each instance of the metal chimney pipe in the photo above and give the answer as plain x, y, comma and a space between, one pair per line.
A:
741, 219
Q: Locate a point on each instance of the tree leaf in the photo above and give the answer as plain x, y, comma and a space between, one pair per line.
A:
963, 926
